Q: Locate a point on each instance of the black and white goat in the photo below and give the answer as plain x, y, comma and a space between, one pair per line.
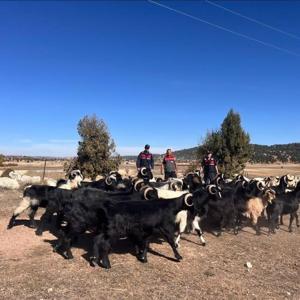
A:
36, 196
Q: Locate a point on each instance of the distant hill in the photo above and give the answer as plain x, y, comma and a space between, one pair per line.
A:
261, 153
276, 153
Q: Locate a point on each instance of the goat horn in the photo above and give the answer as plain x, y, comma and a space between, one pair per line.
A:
143, 171
108, 181
146, 191
244, 184
136, 183
186, 197
259, 185
210, 187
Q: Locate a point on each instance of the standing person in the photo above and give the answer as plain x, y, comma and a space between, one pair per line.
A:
145, 159
210, 168
169, 165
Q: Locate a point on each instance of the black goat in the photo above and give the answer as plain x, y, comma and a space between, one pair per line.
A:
137, 220
284, 204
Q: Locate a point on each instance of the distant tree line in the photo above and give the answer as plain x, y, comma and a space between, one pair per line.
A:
276, 153
282, 153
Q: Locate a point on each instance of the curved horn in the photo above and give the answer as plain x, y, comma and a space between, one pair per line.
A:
143, 171
134, 179
285, 179
218, 180
259, 185
146, 191
244, 184
210, 187
108, 181
186, 197
136, 183
113, 176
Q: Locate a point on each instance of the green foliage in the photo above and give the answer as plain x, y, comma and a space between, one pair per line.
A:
230, 145
95, 150
2, 158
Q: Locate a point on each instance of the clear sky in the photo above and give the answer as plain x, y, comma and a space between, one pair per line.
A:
154, 75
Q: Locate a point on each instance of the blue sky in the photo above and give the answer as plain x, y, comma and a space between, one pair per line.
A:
155, 76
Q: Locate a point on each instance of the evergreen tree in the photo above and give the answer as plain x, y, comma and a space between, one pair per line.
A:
95, 150
230, 145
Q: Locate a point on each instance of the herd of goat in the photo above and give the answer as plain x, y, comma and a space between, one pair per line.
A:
143, 207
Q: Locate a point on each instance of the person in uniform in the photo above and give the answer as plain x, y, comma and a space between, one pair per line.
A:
210, 168
169, 165
145, 159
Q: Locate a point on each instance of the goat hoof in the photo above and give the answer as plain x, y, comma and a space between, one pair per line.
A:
203, 244
143, 259
94, 263
39, 233
10, 226
106, 266
179, 257
56, 248
32, 226
68, 256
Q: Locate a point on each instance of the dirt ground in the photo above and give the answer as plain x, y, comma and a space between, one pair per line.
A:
30, 270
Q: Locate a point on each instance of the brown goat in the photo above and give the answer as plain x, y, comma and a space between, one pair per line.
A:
256, 205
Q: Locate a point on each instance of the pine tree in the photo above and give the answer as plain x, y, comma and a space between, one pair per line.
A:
95, 150
230, 145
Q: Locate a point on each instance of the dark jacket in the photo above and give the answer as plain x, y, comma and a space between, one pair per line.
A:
169, 163
145, 159
209, 165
